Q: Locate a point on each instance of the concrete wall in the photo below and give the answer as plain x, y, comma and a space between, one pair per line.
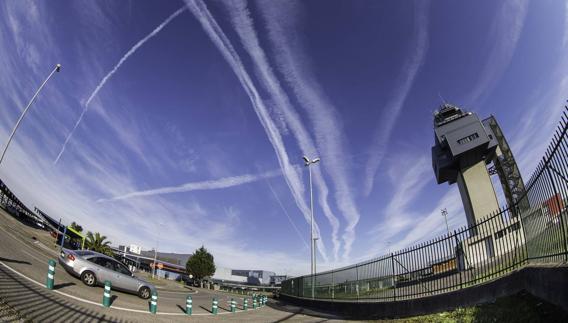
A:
547, 283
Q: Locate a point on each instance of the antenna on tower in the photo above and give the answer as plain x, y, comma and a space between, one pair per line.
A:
442, 98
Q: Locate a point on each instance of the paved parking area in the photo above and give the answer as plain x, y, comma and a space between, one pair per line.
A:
23, 270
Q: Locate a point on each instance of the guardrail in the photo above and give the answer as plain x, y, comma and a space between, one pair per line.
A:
534, 229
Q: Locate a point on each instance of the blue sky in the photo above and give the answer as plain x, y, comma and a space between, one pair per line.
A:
186, 121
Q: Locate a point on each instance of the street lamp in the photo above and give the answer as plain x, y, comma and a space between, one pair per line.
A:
156, 252
307, 163
56, 69
445, 215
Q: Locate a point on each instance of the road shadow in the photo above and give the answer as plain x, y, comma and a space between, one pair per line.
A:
37, 304
59, 286
181, 308
296, 310
112, 299
206, 309
14, 261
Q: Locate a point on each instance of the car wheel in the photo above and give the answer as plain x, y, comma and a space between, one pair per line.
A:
89, 278
144, 293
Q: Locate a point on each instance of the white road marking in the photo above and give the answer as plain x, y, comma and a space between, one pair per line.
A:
100, 305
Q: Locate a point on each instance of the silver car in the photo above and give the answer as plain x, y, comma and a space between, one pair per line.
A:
94, 268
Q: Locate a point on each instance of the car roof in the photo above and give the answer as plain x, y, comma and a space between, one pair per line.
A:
92, 254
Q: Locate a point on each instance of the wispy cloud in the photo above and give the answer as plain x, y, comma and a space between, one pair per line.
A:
281, 21
402, 225
103, 81
396, 103
287, 214
198, 186
283, 108
565, 40
504, 35
292, 177
397, 215
541, 113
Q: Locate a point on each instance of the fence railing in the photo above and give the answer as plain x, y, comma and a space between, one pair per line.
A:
534, 229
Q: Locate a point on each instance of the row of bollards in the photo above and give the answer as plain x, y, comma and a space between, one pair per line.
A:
257, 300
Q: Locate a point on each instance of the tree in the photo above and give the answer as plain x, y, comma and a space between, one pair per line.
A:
201, 264
76, 227
96, 242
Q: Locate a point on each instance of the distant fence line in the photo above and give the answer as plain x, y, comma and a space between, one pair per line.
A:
501, 242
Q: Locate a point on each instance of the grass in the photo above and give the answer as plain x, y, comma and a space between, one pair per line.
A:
522, 307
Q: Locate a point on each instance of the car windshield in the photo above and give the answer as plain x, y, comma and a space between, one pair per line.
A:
84, 252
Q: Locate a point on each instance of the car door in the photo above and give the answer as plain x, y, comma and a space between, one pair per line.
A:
101, 271
127, 282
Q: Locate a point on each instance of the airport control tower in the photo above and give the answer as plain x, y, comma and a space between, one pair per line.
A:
464, 146
461, 152
468, 151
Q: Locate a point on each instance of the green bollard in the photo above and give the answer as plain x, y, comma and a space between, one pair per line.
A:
214, 306
245, 304
233, 305
50, 274
154, 303
188, 305
254, 302
106, 294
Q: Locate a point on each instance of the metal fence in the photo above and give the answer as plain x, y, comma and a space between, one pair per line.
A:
534, 229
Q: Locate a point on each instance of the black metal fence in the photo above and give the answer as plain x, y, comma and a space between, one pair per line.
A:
501, 242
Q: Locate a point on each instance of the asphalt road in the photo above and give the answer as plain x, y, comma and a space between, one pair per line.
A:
23, 271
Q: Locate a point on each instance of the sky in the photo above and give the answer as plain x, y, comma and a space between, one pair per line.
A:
179, 124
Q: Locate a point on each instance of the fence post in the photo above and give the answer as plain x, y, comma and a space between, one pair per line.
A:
357, 281
188, 305
393, 277
106, 294
458, 259
556, 197
50, 274
332, 285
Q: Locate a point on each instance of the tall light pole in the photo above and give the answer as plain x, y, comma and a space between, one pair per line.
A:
308, 162
156, 252
56, 69
445, 215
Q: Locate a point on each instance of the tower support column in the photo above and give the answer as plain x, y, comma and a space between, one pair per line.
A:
477, 193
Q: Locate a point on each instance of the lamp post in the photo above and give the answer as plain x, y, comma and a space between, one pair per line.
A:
156, 252
308, 162
57, 68
445, 215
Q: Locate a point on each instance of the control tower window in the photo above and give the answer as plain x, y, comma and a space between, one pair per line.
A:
468, 138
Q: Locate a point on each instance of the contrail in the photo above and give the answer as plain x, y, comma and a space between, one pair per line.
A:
111, 73
396, 103
199, 186
287, 214
218, 37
